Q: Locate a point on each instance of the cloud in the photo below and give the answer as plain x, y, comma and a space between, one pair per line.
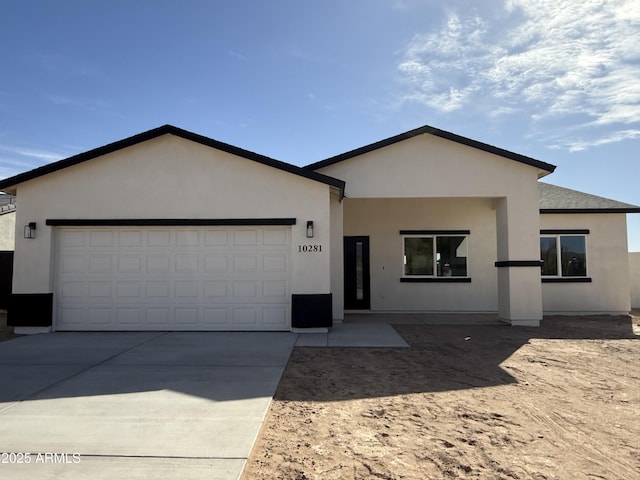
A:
236, 55
14, 160
578, 59
38, 154
577, 145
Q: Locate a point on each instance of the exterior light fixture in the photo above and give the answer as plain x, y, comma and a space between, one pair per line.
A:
310, 229
30, 230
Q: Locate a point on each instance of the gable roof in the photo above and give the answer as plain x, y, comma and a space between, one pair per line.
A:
426, 129
164, 130
554, 199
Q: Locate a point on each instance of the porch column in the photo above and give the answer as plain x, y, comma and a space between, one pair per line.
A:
337, 258
518, 259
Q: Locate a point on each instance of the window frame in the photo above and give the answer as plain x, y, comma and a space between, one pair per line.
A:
434, 235
560, 276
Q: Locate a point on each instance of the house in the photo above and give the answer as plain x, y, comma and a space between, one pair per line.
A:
634, 266
7, 240
426, 221
7, 222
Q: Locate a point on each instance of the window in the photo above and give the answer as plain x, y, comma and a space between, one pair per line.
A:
564, 255
435, 256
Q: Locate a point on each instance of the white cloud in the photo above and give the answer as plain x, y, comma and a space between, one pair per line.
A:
578, 58
39, 154
578, 145
14, 160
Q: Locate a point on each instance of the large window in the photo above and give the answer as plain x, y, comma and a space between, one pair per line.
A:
435, 256
564, 255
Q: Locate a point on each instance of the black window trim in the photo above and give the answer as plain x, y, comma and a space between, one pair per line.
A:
434, 278
559, 278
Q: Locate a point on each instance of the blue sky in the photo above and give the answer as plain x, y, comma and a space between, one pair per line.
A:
301, 81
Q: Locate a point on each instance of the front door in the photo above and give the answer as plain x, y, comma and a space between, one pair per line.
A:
357, 295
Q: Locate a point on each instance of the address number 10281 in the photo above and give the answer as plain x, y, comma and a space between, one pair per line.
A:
309, 248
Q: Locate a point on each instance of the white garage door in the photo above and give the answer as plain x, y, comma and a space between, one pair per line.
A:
173, 278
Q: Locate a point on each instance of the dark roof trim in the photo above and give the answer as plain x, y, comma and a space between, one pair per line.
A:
438, 133
590, 210
164, 130
168, 222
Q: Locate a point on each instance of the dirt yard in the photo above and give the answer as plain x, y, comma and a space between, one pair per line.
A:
558, 402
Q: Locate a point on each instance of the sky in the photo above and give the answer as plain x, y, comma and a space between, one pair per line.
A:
301, 81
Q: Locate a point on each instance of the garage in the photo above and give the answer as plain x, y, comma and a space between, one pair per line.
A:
172, 278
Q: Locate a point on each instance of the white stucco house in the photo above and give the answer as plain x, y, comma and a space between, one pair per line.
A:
7, 222
634, 266
426, 221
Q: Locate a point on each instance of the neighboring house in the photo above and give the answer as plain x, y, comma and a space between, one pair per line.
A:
7, 242
426, 221
7, 222
634, 267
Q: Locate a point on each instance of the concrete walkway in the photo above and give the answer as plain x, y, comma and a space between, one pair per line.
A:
146, 405
136, 405
360, 334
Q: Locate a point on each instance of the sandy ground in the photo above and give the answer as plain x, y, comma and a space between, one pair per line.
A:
558, 402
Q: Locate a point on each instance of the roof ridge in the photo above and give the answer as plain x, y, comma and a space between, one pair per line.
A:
427, 129
179, 132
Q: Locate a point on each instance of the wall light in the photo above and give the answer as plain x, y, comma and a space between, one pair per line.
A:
310, 229
30, 230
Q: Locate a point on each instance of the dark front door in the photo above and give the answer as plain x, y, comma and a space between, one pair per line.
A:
357, 295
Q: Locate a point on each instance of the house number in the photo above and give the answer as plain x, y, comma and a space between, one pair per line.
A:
309, 248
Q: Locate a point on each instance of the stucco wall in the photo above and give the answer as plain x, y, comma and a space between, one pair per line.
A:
382, 220
607, 266
337, 257
432, 167
7, 231
169, 177
634, 268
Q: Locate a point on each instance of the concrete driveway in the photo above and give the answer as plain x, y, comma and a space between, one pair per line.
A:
135, 405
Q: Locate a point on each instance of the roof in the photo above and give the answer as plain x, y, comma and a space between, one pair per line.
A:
426, 129
7, 204
164, 130
554, 199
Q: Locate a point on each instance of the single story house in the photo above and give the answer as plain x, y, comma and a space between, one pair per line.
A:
7, 240
7, 222
634, 267
426, 221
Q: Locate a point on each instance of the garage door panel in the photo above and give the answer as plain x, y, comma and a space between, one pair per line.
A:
188, 238
188, 289
216, 289
101, 238
210, 278
277, 317
100, 289
130, 317
129, 263
158, 263
159, 318
129, 238
245, 237
158, 290
187, 316
72, 238
73, 264
245, 263
159, 238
